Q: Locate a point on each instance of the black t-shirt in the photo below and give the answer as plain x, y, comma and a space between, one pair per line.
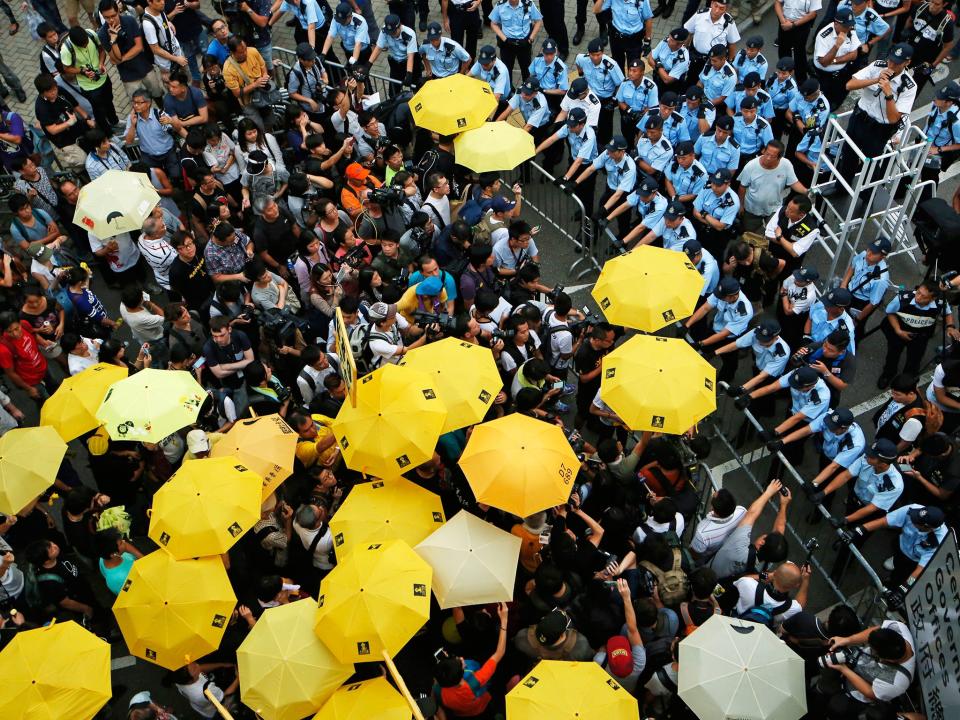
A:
224, 355
56, 112
276, 237
187, 23
192, 281
585, 360
943, 473
926, 44
59, 582
137, 67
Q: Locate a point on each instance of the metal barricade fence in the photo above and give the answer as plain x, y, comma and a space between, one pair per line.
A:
376, 82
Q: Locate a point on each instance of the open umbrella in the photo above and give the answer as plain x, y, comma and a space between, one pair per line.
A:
205, 507
172, 612
474, 563
54, 672
570, 691
286, 673
385, 510
677, 384
374, 601
365, 700
395, 424
116, 202
148, 406
648, 288
465, 376
266, 445
473, 148
453, 104
739, 669
72, 409
29, 460
519, 464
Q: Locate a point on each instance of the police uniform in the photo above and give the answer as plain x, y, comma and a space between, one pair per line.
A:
603, 79
840, 448
676, 63
397, 49
868, 282
638, 98
765, 108
692, 116
771, 358
590, 105
686, 181
914, 546
718, 83
810, 403
802, 233
535, 111
628, 28
583, 146
446, 59
674, 128
833, 77
880, 489
714, 156
744, 64
843, 367
516, 23
781, 92
792, 42
724, 207
869, 25
676, 238
708, 267
650, 211
732, 316
464, 24
351, 32
913, 318
621, 177
751, 137
706, 33
821, 325
943, 129
550, 76
496, 75
814, 114
811, 145
656, 154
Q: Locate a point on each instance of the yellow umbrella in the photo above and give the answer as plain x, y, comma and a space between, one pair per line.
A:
286, 673
385, 510
375, 601
563, 690
453, 104
72, 409
266, 445
474, 563
205, 507
150, 405
519, 464
364, 700
29, 460
172, 612
54, 672
676, 385
513, 146
648, 288
395, 424
465, 376
116, 202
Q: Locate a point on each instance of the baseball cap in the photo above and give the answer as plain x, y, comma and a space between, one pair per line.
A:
578, 87
549, 45
197, 441
595, 45
619, 656
805, 274
40, 251
950, 91
381, 311
141, 700
430, 286
785, 63
803, 376
647, 185
754, 41
654, 121
844, 16
434, 31
553, 625
880, 245
749, 103
257, 161
391, 22
809, 86
487, 54
501, 204
928, 516
617, 142
694, 92
680, 34
305, 51
576, 117
900, 53
720, 176
684, 147
344, 12
883, 449
635, 62
529, 87
669, 98
752, 79
354, 171
692, 247
838, 297
839, 418
727, 286
768, 329
725, 122
718, 51
675, 209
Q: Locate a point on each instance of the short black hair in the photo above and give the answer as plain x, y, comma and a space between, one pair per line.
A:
887, 643
774, 548
449, 671
131, 296
723, 503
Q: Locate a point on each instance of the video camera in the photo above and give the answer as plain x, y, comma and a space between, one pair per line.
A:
552, 296
280, 325
588, 321
447, 325
388, 195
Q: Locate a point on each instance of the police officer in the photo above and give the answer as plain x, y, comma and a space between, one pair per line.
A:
749, 59
621, 172
718, 79
603, 76
685, 176
934, 470
792, 231
808, 110
442, 57
649, 204
400, 42
922, 529
674, 127
671, 61
836, 46
516, 24
752, 87
697, 112
635, 96
582, 142
770, 356
631, 27
551, 74
796, 19
731, 318
833, 359
781, 86
717, 149
491, 69
554, 24
930, 32
877, 487
705, 264
462, 20
533, 106
353, 32
751, 132
828, 314
903, 417
673, 229
866, 279
653, 150
709, 27
911, 317
943, 131
870, 27
715, 210
580, 95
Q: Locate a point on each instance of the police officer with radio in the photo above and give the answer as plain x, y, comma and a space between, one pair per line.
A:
833, 359
809, 399
635, 96
671, 61
582, 141
702, 260
442, 57
715, 209
781, 86
796, 18
751, 132
491, 70
752, 87
698, 113
866, 279
808, 110
551, 74
685, 177
653, 150
922, 529
749, 59
836, 46
632, 27
621, 172
943, 130
516, 24
603, 76
400, 44
709, 27
910, 320
829, 313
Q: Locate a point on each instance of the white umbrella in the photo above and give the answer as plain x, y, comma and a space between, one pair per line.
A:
116, 202
474, 563
739, 669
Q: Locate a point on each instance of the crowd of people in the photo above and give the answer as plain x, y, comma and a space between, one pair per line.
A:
288, 198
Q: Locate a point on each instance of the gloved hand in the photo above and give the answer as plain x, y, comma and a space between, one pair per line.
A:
602, 224
814, 493
896, 597
568, 186
836, 522
742, 402
735, 390
766, 435
695, 344
775, 445
858, 533
408, 79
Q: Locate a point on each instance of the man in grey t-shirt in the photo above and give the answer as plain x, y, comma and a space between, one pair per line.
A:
738, 555
762, 182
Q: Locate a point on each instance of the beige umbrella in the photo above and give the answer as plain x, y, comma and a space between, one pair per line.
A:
116, 202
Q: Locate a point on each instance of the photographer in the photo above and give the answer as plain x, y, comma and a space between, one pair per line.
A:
525, 286
393, 262
564, 341
520, 345
275, 235
420, 233
121, 37
267, 394
382, 341
427, 296
248, 78
738, 555
511, 253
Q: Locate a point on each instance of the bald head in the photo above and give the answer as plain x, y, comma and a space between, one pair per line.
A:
786, 577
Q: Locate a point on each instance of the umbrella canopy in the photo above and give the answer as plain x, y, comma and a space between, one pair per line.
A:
365, 700
116, 202
465, 376
150, 405
266, 445
286, 673
375, 601
385, 510
514, 145
395, 424
474, 563
648, 288
453, 104
72, 409
519, 464
174, 611
570, 691
677, 384
29, 460
205, 507
55, 672
738, 669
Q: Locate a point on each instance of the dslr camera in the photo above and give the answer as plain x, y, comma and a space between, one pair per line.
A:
847, 656
387, 195
447, 324
552, 296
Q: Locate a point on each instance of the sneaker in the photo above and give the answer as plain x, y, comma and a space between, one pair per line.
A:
888, 564
568, 390
883, 382
561, 407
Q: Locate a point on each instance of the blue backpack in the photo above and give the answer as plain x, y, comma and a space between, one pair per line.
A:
761, 612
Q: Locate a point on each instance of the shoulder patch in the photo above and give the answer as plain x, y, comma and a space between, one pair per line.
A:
761, 59
825, 33
665, 145
727, 70
733, 142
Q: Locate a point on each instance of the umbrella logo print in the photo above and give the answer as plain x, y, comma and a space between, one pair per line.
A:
235, 530
461, 122
111, 216
419, 590
126, 585
613, 684
485, 397
429, 394
657, 421
338, 539
164, 538
374, 547
219, 621
438, 517
363, 648
320, 601
605, 303
377, 484
344, 443
151, 654
403, 461
610, 372
418, 107
531, 681
708, 383
668, 316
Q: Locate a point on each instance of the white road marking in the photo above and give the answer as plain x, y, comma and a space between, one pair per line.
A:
123, 662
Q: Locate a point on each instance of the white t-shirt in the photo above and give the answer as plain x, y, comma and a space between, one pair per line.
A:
561, 342
507, 361
590, 105
126, 255
712, 531
144, 325
321, 554
167, 41
317, 376
748, 590
198, 701
801, 297
384, 350
159, 255
896, 683
640, 534
437, 208
78, 363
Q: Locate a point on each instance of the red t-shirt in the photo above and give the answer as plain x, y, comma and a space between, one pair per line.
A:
23, 355
470, 697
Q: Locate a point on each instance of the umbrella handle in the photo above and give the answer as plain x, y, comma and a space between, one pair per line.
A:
403, 686
224, 713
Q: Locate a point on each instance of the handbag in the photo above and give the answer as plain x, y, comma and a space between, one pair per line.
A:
261, 98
